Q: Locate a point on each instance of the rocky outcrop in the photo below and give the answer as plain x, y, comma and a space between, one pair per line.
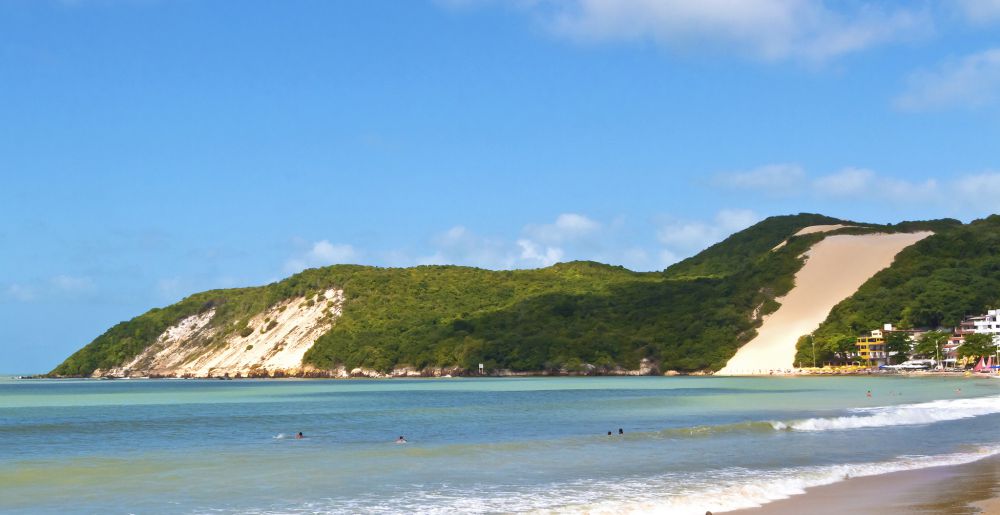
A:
271, 344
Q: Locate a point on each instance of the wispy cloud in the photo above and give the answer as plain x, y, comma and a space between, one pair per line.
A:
847, 182
567, 227
859, 182
72, 284
571, 236
681, 238
539, 244
770, 30
61, 287
980, 190
461, 246
774, 179
972, 81
322, 253
20, 292
980, 11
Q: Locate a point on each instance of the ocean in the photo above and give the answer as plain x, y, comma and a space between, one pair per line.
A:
483, 445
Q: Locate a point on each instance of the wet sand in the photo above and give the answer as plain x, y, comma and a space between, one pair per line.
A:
952, 490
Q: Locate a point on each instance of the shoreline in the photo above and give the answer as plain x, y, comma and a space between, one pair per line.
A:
968, 488
502, 374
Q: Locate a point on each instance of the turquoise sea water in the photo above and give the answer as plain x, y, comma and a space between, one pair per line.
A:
691, 444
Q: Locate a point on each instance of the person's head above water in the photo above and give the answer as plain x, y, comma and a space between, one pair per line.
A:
620, 431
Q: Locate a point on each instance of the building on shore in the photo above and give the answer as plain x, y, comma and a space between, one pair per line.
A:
982, 324
871, 348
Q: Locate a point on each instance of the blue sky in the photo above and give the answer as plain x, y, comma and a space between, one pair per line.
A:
150, 149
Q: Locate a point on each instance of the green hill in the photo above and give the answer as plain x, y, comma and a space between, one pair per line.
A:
570, 316
936, 282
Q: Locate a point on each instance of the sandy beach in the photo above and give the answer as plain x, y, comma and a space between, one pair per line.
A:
960, 489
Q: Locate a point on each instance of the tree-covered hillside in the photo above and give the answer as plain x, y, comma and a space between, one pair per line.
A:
560, 317
936, 282
745, 247
692, 316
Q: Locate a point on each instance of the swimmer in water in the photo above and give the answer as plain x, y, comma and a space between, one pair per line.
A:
299, 436
869, 394
609, 433
620, 432
401, 439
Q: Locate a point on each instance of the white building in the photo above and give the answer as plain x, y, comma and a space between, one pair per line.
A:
984, 324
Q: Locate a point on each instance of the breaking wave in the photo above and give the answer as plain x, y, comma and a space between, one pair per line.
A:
691, 493
901, 415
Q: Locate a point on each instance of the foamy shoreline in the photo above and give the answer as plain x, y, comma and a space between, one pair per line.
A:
920, 490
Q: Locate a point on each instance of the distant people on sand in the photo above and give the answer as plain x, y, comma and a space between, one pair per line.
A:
400, 439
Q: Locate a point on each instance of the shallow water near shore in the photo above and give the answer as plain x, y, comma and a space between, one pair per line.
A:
691, 444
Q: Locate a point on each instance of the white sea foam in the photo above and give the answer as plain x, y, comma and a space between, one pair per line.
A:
716, 491
760, 488
901, 415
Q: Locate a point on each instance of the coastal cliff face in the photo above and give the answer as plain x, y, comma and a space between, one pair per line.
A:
271, 343
576, 318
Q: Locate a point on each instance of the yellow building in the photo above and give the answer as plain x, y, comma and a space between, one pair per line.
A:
871, 348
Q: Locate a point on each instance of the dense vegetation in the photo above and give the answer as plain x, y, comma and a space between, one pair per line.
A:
934, 283
580, 315
735, 252
565, 317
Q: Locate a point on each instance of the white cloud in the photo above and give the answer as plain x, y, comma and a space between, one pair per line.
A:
61, 287
774, 179
980, 191
532, 252
845, 183
323, 253
570, 236
900, 190
682, 238
169, 287
970, 82
21, 292
326, 253
860, 182
980, 11
567, 227
460, 246
764, 29
72, 284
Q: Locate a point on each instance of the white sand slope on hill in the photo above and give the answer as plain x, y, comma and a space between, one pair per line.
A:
812, 229
835, 268
278, 339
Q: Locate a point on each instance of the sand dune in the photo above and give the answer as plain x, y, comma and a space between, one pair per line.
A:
811, 230
836, 267
280, 337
